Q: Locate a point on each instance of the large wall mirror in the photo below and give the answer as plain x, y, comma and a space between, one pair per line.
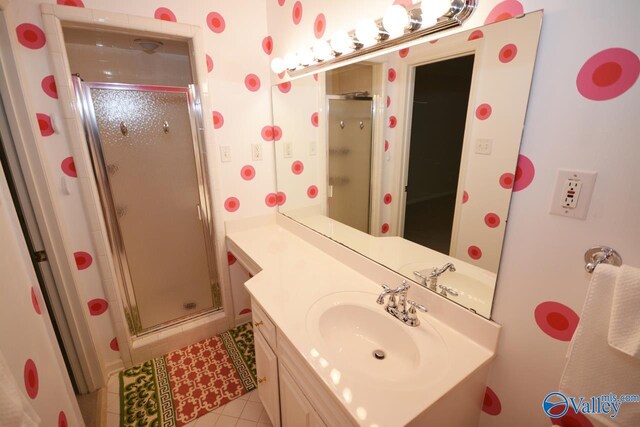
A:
410, 157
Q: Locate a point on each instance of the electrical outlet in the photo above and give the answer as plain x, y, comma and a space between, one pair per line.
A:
484, 146
572, 193
287, 149
225, 153
313, 148
256, 152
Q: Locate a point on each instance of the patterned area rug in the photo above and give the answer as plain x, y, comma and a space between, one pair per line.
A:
178, 387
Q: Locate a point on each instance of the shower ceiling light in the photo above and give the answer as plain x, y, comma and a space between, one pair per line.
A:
147, 45
396, 27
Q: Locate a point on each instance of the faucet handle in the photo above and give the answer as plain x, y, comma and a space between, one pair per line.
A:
445, 290
421, 276
414, 305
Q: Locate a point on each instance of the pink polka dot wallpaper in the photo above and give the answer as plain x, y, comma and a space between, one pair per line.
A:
581, 112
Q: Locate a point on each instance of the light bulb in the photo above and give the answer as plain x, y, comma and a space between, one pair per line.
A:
367, 32
341, 42
277, 65
395, 20
291, 61
305, 56
432, 10
322, 50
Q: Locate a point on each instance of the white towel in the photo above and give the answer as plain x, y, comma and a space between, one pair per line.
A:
15, 410
624, 329
594, 368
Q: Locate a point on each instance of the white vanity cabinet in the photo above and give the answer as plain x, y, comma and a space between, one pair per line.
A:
282, 398
264, 337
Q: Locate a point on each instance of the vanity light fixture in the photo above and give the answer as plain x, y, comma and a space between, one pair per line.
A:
397, 26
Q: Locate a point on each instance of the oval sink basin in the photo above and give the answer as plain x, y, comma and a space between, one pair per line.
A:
349, 327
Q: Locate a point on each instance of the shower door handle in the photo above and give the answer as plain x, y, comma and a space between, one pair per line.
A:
199, 211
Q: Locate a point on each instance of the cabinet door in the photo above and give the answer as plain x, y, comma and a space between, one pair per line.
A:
296, 409
267, 370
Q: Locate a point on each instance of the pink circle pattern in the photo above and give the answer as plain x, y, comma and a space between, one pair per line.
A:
608, 74
48, 85
281, 198
475, 35
387, 199
504, 10
384, 228
284, 87
319, 26
508, 53
506, 180
74, 3
465, 197
34, 301
113, 345
314, 119
297, 167
296, 12
62, 420
209, 64
30, 36
97, 306
231, 258
252, 82
216, 22
271, 200
474, 252
393, 122
570, 419
556, 320
491, 403
247, 172
403, 52
267, 45
391, 75
232, 204
164, 14
44, 123
69, 167
491, 219
83, 260
525, 172
312, 191
31, 381
483, 112
267, 133
218, 120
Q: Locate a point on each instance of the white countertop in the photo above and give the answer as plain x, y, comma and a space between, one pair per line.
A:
405, 257
295, 274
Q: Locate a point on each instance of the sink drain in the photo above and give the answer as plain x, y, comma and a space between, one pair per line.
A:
379, 354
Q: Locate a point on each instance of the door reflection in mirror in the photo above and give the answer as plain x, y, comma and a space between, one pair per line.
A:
440, 100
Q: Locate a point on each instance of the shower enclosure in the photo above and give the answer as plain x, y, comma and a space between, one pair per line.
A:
349, 159
151, 177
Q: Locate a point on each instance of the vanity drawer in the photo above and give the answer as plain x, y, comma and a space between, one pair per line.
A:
263, 323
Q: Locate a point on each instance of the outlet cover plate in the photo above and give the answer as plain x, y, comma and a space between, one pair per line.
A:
587, 181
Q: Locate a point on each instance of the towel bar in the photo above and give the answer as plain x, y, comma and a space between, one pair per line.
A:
601, 254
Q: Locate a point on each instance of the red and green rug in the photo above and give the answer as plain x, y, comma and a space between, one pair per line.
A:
178, 387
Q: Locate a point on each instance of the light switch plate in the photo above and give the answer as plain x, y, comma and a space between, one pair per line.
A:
313, 148
225, 153
572, 193
287, 149
484, 146
256, 152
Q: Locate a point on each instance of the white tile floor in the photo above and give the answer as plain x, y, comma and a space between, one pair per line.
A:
245, 411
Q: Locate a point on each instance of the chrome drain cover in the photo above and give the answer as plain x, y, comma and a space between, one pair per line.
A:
379, 354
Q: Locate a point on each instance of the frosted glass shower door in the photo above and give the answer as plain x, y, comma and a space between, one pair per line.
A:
146, 141
350, 161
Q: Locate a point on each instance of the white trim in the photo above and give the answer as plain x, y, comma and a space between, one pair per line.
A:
54, 16
32, 161
377, 147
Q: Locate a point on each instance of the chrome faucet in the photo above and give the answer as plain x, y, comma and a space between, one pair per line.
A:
398, 308
432, 279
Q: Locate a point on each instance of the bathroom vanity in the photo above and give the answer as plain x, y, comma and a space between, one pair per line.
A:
328, 354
